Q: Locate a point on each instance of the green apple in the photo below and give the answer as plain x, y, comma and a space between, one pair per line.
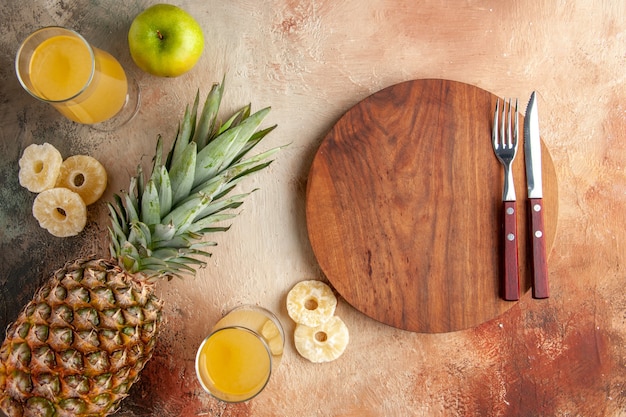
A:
165, 40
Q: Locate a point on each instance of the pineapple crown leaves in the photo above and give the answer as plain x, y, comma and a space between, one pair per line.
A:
157, 227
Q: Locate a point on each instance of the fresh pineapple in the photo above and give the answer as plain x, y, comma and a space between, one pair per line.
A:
84, 175
60, 211
39, 167
311, 303
323, 343
79, 345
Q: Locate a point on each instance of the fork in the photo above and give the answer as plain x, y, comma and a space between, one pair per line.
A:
504, 142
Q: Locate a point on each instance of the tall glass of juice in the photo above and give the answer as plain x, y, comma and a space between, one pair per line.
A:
85, 84
235, 361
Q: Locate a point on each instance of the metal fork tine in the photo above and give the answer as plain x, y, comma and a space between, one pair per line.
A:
503, 132
496, 126
509, 135
516, 128
512, 136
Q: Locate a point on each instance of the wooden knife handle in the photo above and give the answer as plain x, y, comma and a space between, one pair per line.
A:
538, 239
510, 267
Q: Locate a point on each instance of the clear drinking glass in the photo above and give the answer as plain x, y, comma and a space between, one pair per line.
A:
235, 361
85, 84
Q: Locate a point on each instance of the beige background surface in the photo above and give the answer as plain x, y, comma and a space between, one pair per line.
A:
311, 61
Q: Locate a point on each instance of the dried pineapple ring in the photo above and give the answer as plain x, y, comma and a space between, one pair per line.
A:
272, 336
276, 346
311, 303
60, 211
39, 167
324, 343
269, 330
84, 175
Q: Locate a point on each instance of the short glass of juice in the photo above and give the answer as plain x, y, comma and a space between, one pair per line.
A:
85, 84
235, 361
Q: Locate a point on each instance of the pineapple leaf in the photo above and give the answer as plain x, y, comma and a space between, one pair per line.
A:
115, 245
181, 174
209, 157
212, 187
235, 119
219, 206
117, 237
150, 204
182, 216
207, 121
139, 237
188, 260
114, 248
116, 220
163, 232
122, 216
223, 150
175, 242
157, 160
165, 253
165, 192
234, 173
232, 122
131, 208
140, 181
251, 170
247, 166
214, 229
154, 263
194, 114
224, 191
158, 225
179, 266
186, 130
254, 140
129, 257
205, 223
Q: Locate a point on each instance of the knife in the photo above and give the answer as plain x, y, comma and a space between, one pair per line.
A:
532, 156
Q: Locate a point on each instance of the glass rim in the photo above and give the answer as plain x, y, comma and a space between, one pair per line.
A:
69, 31
255, 334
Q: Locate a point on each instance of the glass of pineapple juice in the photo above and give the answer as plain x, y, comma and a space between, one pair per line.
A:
235, 361
85, 84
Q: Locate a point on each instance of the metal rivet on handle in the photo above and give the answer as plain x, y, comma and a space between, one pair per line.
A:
538, 234
510, 237
537, 207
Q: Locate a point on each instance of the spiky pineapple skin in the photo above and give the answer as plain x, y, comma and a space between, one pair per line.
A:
157, 229
80, 343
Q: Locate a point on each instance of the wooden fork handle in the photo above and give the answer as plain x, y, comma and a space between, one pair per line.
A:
538, 239
510, 263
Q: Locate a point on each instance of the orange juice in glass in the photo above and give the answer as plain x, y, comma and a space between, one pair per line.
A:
85, 84
235, 361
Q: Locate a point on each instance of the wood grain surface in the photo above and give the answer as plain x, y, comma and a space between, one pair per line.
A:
404, 207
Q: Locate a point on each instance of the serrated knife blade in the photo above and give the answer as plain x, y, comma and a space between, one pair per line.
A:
532, 157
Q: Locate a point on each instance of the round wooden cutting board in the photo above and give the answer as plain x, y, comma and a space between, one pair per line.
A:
404, 207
